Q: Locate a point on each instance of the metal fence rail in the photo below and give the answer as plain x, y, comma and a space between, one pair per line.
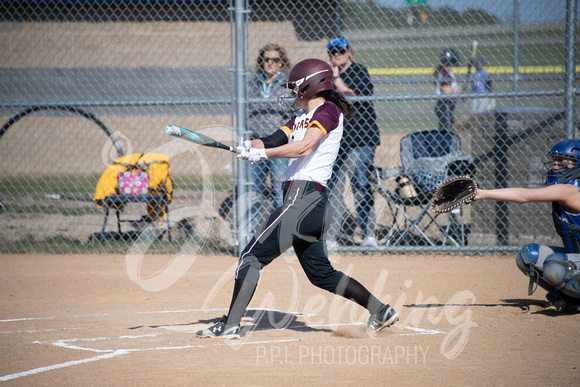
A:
84, 83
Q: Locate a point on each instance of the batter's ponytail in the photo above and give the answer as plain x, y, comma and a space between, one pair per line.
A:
339, 100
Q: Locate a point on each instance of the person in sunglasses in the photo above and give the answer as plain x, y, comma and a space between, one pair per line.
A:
272, 67
359, 143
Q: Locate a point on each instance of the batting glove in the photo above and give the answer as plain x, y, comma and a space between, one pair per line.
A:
257, 155
243, 150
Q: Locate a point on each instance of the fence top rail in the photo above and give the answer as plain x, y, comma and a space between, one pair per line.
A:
410, 97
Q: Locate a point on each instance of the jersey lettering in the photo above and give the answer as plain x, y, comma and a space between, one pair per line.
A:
302, 124
317, 166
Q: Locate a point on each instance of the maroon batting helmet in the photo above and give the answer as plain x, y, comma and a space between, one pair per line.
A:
310, 77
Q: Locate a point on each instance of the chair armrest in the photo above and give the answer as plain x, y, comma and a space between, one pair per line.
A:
391, 172
384, 173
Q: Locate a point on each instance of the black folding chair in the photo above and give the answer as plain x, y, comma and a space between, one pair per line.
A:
427, 159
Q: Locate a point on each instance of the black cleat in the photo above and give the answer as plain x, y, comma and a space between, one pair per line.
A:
219, 330
384, 319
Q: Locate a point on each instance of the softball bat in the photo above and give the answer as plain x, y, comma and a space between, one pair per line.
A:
198, 138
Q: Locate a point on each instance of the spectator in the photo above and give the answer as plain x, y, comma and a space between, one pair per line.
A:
272, 67
481, 83
445, 84
359, 143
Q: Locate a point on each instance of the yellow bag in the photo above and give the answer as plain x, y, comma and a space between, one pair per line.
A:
160, 182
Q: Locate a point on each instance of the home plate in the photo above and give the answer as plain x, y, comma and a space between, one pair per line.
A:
181, 328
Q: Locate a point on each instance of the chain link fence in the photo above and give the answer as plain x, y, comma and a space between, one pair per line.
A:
85, 85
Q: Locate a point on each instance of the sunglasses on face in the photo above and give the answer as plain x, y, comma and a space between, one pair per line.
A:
335, 50
266, 59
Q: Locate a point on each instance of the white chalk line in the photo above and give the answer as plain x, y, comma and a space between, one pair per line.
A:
110, 353
27, 319
114, 353
223, 310
61, 365
418, 331
52, 317
41, 330
66, 343
422, 331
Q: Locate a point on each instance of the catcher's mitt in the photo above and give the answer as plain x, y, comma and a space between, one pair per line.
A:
452, 193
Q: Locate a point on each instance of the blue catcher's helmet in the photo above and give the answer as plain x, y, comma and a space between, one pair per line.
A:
564, 165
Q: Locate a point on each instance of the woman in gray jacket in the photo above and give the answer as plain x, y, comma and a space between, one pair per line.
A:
272, 67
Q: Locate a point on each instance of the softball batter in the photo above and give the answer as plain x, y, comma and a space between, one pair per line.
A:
311, 141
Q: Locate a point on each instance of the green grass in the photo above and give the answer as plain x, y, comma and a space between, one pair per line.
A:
381, 43
84, 186
30, 245
193, 183
61, 245
47, 209
71, 185
359, 14
538, 46
530, 54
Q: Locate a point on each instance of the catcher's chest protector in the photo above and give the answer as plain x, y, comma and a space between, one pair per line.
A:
568, 227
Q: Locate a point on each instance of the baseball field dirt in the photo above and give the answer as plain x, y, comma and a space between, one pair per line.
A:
131, 320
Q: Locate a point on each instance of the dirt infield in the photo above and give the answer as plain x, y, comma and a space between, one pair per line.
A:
71, 320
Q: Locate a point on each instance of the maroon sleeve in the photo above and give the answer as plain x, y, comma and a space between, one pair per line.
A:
288, 126
326, 117
446, 78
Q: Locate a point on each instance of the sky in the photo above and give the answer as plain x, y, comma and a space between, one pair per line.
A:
531, 11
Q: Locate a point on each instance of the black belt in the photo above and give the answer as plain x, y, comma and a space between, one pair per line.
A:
309, 185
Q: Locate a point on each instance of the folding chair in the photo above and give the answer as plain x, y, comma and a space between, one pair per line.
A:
427, 159
136, 178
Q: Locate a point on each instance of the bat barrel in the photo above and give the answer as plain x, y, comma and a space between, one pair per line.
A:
197, 138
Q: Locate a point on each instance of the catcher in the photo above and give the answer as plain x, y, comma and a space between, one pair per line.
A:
556, 269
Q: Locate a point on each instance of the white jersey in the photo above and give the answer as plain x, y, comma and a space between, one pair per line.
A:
445, 78
317, 166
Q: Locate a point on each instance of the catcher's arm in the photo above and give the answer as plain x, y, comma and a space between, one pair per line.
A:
566, 195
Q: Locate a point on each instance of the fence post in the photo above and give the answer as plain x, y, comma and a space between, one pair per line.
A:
244, 227
516, 49
569, 89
